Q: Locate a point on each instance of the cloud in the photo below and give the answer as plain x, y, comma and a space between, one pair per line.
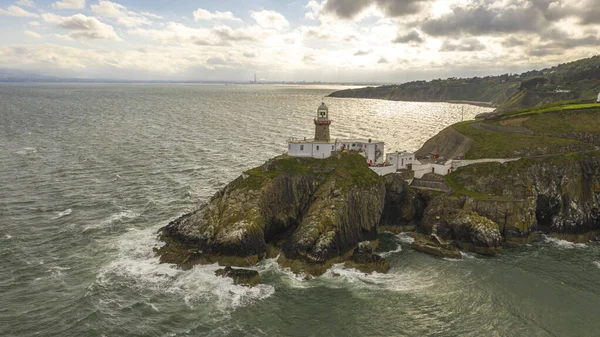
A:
468, 44
203, 14
122, 16
362, 52
349, 9
412, 36
513, 42
485, 17
249, 54
16, 11
26, 3
69, 4
63, 37
32, 34
382, 60
82, 27
270, 20
34, 23
151, 15
226, 33
178, 33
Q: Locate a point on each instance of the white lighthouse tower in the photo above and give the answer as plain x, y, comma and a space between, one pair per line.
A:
322, 123
319, 147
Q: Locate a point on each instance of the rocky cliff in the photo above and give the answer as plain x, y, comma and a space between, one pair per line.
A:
312, 211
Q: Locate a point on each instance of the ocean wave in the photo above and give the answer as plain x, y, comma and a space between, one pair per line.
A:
26, 150
391, 252
114, 218
405, 237
66, 212
597, 263
8, 237
394, 280
138, 266
563, 243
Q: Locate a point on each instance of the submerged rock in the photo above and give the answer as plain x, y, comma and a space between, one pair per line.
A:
243, 277
433, 245
365, 260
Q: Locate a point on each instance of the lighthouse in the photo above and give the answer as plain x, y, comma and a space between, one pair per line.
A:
322, 146
322, 123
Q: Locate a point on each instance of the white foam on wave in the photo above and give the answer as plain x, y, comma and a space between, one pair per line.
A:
405, 237
597, 263
390, 252
394, 280
8, 237
563, 243
26, 150
114, 218
63, 213
137, 264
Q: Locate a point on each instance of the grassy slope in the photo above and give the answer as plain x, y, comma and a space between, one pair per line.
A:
554, 119
350, 170
581, 77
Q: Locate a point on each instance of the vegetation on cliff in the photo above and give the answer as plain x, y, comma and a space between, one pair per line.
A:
574, 80
313, 211
549, 130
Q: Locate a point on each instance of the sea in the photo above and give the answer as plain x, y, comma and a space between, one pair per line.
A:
90, 172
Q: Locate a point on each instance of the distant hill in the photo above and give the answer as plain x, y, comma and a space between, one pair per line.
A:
578, 80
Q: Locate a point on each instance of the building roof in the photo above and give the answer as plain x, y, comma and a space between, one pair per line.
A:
364, 141
402, 153
311, 141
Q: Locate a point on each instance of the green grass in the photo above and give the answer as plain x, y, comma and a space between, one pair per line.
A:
510, 145
350, 170
554, 107
458, 190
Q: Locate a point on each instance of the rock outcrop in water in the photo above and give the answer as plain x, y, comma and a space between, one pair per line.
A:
313, 212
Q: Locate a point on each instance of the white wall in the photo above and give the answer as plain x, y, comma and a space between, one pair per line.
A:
422, 169
305, 149
383, 170
300, 149
322, 150
401, 160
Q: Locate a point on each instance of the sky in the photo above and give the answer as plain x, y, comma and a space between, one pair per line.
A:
386, 41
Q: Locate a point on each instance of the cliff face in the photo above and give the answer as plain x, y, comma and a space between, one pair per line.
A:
314, 210
448, 143
559, 194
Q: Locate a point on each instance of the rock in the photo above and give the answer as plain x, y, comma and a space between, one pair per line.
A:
428, 245
404, 206
470, 227
243, 277
313, 210
366, 261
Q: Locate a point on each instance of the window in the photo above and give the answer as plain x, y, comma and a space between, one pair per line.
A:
301, 147
317, 147
353, 145
331, 147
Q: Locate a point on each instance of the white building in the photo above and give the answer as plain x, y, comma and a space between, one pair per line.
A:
372, 150
428, 166
402, 160
319, 147
322, 145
